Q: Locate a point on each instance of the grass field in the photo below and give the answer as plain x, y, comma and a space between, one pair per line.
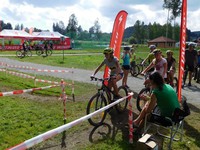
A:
28, 115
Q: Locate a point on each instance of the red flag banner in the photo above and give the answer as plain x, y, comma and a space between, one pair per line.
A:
182, 46
117, 35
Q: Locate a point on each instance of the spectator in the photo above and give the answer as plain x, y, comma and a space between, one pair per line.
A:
163, 95
170, 67
190, 62
126, 65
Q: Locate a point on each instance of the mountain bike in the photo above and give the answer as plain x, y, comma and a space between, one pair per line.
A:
22, 53
103, 97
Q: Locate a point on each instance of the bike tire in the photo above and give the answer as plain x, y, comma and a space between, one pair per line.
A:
175, 82
39, 52
135, 71
121, 107
29, 53
19, 53
198, 75
141, 103
49, 52
98, 101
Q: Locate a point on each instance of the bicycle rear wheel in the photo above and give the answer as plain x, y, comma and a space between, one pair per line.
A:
135, 70
19, 53
49, 52
121, 107
141, 103
95, 103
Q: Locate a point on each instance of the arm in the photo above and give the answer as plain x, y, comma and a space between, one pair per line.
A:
152, 103
165, 69
130, 55
118, 67
148, 68
98, 68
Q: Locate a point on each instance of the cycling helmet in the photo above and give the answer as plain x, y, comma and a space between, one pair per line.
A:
108, 50
126, 48
169, 51
191, 44
156, 51
152, 47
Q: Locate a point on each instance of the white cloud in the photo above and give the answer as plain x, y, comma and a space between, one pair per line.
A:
87, 11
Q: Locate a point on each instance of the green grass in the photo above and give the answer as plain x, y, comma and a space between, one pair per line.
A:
23, 117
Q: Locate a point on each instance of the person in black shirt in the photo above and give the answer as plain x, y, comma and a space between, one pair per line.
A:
190, 61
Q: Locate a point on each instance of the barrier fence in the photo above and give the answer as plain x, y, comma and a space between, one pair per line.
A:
49, 134
26, 90
34, 77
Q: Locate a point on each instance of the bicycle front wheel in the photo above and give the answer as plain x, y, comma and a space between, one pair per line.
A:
121, 107
141, 103
175, 84
135, 70
95, 103
39, 52
29, 53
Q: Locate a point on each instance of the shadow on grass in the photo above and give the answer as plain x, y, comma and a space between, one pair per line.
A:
193, 108
192, 132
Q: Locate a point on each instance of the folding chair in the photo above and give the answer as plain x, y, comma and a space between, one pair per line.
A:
174, 124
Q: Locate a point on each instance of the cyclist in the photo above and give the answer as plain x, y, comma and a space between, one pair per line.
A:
126, 65
159, 64
170, 66
190, 61
133, 61
116, 73
163, 95
150, 56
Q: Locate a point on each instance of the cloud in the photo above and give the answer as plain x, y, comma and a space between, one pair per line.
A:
42, 14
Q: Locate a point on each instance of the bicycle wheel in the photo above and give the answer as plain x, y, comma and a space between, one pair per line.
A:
39, 52
49, 52
121, 107
198, 75
95, 103
29, 53
141, 103
175, 82
135, 70
19, 53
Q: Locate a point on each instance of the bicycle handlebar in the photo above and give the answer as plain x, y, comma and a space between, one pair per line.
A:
99, 79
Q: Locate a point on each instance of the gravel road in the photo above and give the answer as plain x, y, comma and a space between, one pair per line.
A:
136, 84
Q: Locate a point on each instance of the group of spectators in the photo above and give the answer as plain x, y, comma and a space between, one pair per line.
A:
162, 69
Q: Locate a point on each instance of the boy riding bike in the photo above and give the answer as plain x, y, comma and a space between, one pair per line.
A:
116, 73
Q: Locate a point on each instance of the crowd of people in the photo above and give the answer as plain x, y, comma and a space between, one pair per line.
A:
161, 70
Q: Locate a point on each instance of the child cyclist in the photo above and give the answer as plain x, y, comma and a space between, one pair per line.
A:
116, 73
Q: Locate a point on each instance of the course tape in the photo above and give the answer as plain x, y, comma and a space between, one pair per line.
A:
26, 90
35, 69
49, 134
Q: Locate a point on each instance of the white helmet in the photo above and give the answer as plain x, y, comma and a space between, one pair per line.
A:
152, 47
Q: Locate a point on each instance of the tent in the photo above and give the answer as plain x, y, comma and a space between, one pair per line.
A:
63, 42
8, 34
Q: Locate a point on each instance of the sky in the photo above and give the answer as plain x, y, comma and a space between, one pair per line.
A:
43, 13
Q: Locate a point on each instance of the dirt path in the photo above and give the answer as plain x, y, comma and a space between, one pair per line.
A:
80, 75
